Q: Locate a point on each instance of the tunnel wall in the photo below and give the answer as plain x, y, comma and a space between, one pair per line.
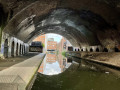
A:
97, 18
24, 46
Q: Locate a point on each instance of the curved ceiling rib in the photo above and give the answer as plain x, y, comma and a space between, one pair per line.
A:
85, 22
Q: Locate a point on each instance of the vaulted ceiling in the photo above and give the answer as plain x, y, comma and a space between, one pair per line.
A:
82, 22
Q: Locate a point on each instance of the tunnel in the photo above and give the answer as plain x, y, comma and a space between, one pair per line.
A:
91, 26
83, 24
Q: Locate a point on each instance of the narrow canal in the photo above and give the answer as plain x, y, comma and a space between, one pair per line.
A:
58, 73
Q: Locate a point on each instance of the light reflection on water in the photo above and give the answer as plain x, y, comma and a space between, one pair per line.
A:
52, 65
77, 77
52, 68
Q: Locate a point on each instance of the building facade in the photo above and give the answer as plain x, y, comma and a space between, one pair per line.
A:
51, 45
42, 39
51, 58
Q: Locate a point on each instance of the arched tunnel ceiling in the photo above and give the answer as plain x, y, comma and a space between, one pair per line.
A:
78, 20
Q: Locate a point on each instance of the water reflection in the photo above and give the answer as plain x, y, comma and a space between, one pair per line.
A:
52, 68
83, 76
53, 64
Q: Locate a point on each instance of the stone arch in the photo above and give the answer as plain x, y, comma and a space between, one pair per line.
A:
78, 49
12, 48
97, 50
6, 48
91, 13
20, 49
76, 36
116, 49
82, 49
75, 50
105, 50
91, 50
17, 49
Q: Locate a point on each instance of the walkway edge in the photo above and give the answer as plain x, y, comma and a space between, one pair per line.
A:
104, 63
29, 85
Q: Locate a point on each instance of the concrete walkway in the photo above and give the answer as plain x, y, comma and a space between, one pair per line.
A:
18, 76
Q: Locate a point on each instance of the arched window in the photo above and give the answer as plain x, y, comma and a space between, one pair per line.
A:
91, 50
97, 50
75, 50
81, 49
105, 50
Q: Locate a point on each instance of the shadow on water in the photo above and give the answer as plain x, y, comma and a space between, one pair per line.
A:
78, 77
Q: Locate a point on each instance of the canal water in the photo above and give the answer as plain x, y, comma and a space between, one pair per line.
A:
58, 73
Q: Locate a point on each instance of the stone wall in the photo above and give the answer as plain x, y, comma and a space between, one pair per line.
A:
24, 46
